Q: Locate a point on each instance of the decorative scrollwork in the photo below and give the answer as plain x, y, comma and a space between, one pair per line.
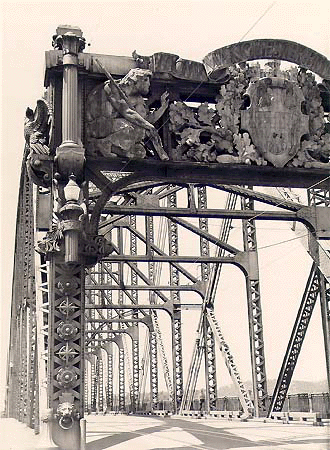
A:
52, 241
213, 135
96, 247
315, 150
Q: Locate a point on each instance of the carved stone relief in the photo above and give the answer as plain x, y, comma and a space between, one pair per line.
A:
274, 119
263, 116
119, 121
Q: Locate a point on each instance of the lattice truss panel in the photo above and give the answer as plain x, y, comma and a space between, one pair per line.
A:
317, 287
168, 247
167, 257
22, 395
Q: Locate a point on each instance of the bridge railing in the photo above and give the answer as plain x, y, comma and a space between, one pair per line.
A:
303, 402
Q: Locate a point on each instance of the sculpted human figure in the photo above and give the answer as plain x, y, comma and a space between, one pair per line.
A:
129, 120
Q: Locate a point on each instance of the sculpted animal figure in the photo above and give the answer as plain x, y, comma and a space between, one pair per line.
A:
37, 131
36, 128
66, 413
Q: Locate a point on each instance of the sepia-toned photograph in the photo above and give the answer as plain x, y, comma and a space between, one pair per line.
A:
165, 225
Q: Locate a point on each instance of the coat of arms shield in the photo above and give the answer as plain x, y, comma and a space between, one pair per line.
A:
274, 119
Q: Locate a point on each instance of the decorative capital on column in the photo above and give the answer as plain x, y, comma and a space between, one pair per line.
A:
69, 39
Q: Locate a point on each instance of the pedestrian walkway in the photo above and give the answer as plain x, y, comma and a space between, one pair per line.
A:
121, 432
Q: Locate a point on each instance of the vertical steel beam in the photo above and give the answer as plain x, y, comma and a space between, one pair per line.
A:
211, 383
42, 320
17, 366
135, 357
153, 357
32, 419
65, 348
17, 399
321, 197
23, 363
99, 372
210, 361
107, 267
153, 368
93, 386
86, 390
121, 362
325, 314
110, 379
257, 347
135, 340
121, 375
176, 318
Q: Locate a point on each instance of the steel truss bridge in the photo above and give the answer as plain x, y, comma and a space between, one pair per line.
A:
97, 301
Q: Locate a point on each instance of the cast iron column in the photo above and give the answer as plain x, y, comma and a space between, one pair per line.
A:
66, 327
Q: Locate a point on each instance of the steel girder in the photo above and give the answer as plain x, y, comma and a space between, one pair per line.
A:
153, 369
66, 344
325, 314
296, 340
317, 284
100, 386
121, 377
135, 340
23, 403
93, 386
210, 367
109, 386
321, 197
257, 346
210, 361
176, 318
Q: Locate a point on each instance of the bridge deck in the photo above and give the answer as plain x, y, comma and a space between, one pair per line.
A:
121, 432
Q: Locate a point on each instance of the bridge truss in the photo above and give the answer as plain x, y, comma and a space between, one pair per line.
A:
97, 307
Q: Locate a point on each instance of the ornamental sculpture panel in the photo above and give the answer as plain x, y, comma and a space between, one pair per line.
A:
259, 116
118, 119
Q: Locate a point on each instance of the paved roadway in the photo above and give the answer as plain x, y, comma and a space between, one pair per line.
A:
121, 432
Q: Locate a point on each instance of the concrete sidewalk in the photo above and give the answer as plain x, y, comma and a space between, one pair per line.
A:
121, 432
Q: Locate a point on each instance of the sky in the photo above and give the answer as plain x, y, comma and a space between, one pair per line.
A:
190, 29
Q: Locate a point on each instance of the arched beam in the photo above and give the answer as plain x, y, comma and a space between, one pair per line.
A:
218, 60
